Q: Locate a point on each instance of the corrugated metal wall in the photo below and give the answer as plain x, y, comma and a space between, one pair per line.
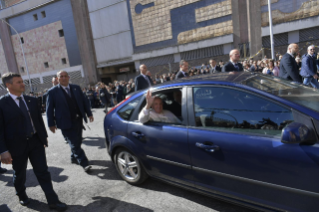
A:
111, 30
56, 11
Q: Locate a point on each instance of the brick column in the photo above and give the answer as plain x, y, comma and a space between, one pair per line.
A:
254, 26
84, 34
10, 56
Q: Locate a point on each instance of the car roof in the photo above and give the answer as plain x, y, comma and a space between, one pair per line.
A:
232, 77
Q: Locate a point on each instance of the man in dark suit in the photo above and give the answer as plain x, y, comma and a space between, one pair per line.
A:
143, 81
213, 67
288, 66
22, 137
54, 83
233, 64
183, 70
66, 107
119, 92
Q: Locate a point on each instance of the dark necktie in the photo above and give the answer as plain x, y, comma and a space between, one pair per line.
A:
236, 66
27, 116
68, 91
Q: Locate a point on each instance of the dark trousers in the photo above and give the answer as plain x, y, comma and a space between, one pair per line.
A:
74, 138
35, 152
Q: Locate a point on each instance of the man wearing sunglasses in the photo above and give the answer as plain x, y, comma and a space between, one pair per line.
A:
308, 68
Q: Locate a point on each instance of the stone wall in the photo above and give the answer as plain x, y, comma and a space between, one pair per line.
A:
41, 45
285, 11
159, 24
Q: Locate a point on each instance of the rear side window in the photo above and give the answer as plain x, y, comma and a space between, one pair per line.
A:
238, 111
128, 109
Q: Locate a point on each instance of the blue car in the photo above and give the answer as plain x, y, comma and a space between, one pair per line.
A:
245, 138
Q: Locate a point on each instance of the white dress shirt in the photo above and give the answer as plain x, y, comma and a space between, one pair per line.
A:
150, 115
183, 72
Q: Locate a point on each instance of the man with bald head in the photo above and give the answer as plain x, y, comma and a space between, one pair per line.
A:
143, 81
233, 63
67, 107
288, 66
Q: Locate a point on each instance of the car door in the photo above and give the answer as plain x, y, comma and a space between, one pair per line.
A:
164, 147
236, 150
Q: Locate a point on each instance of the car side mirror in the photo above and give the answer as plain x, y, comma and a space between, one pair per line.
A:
296, 133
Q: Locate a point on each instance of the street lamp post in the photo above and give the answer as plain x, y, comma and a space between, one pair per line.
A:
25, 61
271, 33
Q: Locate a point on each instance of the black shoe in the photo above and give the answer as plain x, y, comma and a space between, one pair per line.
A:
59, 206
24, 201
74, 161
87, 168
3, 170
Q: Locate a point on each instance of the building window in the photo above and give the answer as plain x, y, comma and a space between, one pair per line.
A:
43, 14
22, 69
61, 33
35, 17
46, 65
63, 60
22, 40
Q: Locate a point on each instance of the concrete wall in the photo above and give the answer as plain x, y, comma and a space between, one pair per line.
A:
111, 31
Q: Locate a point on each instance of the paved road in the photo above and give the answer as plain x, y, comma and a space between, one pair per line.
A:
102, 189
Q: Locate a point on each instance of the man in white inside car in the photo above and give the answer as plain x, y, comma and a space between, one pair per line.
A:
153, 111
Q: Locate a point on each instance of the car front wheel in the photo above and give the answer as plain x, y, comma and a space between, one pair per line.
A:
129, 167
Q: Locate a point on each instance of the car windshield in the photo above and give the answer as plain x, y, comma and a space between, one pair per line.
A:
297, 93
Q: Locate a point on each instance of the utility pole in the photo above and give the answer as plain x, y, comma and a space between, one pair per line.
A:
271, 33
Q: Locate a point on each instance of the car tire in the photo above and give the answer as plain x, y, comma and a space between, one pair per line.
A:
129, 167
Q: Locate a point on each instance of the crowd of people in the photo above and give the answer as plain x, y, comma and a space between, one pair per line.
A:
108, 95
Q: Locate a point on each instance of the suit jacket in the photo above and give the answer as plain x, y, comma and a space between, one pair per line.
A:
289, 69
141, 83
215, 69
308, 68
13, 125
44, 98
180, 75
229, 67
58, 113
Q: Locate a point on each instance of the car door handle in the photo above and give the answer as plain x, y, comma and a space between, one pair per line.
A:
138, 135
208, 148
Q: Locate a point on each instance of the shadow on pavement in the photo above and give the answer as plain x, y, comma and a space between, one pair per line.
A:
94, 141
215, 204
31, 178
107, 173
105, 203
4, 208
